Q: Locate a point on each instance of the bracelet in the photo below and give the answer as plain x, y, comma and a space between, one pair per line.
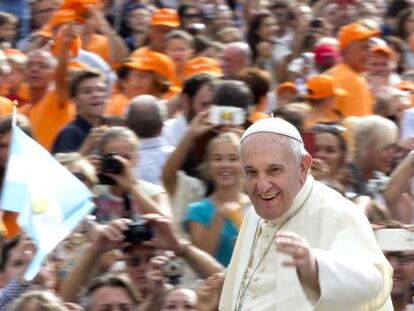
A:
185, 247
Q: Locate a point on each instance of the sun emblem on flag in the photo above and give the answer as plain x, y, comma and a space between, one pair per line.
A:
40, 203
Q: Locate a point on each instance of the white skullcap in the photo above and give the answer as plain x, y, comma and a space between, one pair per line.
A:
273, 125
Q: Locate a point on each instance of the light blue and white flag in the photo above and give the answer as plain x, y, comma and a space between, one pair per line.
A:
51, 202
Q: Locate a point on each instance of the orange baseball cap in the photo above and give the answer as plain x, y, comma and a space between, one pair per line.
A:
80, 6
63, 17
354, 32
198, 65
165, 17
383, 49
323, 86
153, 61
287, 86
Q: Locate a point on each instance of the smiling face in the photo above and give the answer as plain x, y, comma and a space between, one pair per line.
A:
274, 175
90, 98
224, 164
328, 149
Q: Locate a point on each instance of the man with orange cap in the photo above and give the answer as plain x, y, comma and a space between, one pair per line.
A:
322, 95
355, 49
163, 21
150, 73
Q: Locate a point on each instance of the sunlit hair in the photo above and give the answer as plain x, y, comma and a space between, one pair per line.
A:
74, 161
227, 137
373, 133
118, 132
43, 300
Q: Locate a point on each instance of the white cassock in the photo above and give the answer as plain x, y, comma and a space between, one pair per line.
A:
353, 273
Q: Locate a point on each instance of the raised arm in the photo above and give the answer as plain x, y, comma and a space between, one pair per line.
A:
198, 127
118, 49
398, 184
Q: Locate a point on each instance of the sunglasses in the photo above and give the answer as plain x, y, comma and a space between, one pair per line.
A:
328, 128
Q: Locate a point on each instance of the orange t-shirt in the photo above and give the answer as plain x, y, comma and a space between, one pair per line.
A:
10, 224
99, 45
358, 101
6, 106
117, 105
48, 116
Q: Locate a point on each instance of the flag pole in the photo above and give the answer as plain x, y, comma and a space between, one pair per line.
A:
14, 114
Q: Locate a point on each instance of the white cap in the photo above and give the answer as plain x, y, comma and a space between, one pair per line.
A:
273, 125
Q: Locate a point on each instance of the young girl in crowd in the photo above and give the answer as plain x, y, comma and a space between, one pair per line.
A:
213, 223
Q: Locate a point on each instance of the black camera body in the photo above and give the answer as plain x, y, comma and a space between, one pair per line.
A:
138, 232
109, 164
173, 270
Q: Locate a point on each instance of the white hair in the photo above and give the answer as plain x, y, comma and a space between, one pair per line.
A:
244, 48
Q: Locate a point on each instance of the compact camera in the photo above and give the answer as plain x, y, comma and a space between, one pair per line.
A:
111, 165
173, 270
226, 115
138, 232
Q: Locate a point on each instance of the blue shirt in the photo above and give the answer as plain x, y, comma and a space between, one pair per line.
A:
71, 137
203, 212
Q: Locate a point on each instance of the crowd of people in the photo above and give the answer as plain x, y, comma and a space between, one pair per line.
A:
162, 109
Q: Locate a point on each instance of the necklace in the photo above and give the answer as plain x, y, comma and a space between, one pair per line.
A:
246, 281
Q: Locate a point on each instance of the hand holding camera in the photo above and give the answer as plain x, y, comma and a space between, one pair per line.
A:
116, 170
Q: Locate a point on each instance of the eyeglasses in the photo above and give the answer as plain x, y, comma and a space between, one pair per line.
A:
329, 128
402, 259
135, 261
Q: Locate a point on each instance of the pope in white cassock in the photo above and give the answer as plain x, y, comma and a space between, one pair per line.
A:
303, 246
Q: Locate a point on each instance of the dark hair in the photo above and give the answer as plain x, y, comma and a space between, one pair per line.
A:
112, 281
257, 80
400, 23
21, 121
201, 43
395, 7
396, 44
161, 83
292, 116
253, 38
7, 18
6, 249
232, 93
182, 9
193, 84
81, 76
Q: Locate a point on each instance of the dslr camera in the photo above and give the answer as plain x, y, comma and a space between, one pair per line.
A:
110, 165
138, 232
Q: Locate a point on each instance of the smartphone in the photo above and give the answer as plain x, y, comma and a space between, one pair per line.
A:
309, 142
227, 115
395, 240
